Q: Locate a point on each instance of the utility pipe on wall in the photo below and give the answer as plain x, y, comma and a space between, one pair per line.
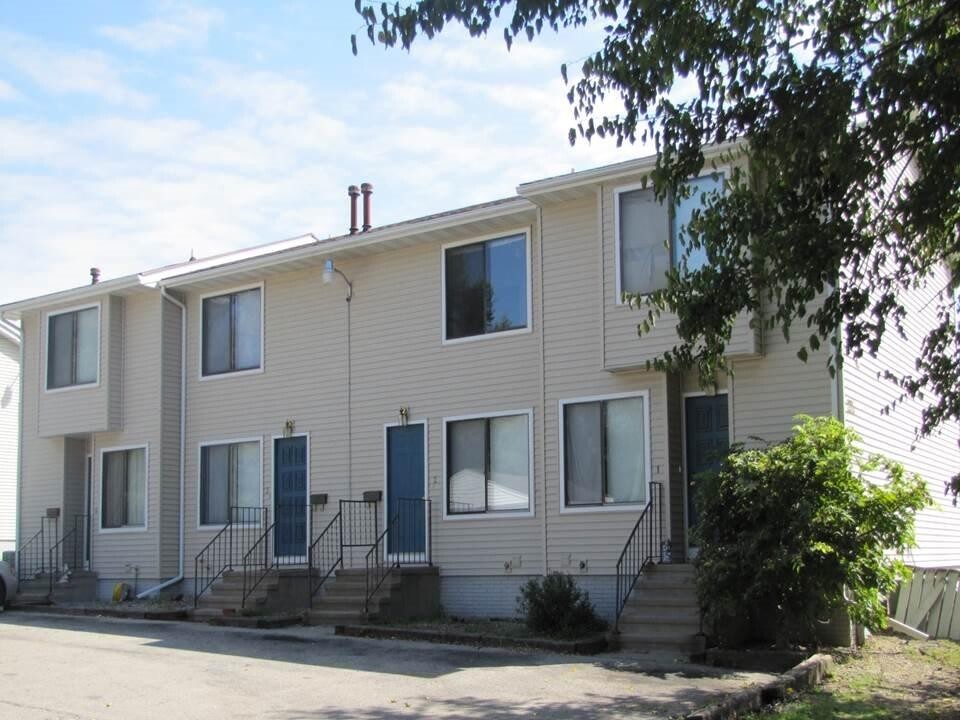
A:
183, 429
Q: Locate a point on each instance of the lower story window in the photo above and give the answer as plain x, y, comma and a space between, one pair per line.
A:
488, 464
124, 488
604, 451
229, 477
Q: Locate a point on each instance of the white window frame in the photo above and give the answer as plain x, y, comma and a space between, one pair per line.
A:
491, 514
526, 232
263, 325
228, 441
46, 332
561, 423
146, 492
723, 170
273, 486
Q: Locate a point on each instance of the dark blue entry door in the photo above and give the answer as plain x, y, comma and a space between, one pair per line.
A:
290, 497
405, 487
708, 439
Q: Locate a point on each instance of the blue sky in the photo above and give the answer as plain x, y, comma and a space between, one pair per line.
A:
132, 133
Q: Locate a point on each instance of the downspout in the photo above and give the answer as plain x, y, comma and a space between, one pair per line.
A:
543, 390
183, 429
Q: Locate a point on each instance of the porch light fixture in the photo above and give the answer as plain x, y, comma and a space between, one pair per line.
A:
288, 427
329, 271
404, 415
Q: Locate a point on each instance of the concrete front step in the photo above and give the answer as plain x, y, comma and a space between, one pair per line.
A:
660, 616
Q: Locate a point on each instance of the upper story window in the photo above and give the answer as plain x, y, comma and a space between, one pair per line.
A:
488, 464
229, 477
605, 451
643, 227
486, 287
73, 348
232, 332
124, 489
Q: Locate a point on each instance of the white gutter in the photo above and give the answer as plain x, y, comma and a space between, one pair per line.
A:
183, 428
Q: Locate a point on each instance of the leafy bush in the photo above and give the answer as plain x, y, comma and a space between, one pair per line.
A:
787, 528
554, 605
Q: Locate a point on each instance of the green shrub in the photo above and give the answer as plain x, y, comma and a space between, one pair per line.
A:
792, 528
554, 605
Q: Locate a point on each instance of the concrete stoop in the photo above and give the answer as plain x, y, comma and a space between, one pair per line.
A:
662, 612
79, 586
406, 594
227, 594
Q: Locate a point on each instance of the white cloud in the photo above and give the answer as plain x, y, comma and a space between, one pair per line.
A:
8, 91
84, 72
262, 93
419, 95
178, 24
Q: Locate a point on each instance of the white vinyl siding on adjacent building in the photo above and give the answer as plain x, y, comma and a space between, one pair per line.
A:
889, 424
9, 424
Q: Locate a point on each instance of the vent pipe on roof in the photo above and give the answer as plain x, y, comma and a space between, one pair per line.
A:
354, 192
94, 276
367, 190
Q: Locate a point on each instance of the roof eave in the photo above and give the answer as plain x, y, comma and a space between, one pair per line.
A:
606, 173
335, 245
15, 309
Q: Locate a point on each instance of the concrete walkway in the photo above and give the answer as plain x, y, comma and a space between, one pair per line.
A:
67, 667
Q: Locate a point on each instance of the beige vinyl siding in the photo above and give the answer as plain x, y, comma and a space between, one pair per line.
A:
866, 398
170, 439
42, 463
574, 346
117, 552
9, 444
621, 349
86, 408
398, 359
767, 393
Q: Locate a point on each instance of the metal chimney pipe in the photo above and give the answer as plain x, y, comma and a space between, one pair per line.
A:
354, 192
367, 190
94, 276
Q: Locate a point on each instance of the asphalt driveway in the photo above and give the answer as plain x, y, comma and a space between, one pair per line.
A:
66, 667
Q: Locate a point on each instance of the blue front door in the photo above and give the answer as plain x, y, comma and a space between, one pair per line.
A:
290, 497
708, 439
405, 487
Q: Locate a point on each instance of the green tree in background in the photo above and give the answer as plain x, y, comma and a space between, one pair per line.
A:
849, 110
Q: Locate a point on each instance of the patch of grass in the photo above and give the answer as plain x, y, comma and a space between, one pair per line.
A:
891, 678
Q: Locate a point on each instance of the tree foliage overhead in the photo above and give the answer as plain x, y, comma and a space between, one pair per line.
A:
795, 529
850, 111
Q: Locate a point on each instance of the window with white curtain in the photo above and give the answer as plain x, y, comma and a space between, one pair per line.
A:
604, 446
652, 236
488, 464
73, 341
232, 332
229, 477
124, 488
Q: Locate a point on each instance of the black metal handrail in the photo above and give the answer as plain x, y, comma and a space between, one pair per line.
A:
33, 558
400, 543
292, 526
643, 546
324, 556
69, 560
228, 547
27, 556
